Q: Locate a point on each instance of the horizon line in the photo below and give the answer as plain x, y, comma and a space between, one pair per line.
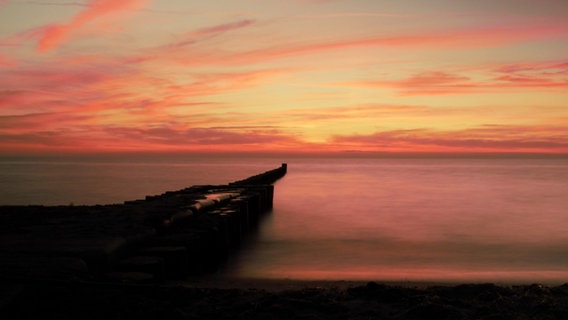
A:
292, 154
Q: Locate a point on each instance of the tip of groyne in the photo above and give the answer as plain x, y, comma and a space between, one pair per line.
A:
268, 177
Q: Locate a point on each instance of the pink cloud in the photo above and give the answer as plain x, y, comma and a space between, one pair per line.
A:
52, 36
99, 90
541, 67
159, 138
488, 138
7, 62
40, 122
200, 136
65, 73
435, 40
195, 36
72, 87
537, 76
105, 84
216, 83
460, 39
214, 30
11, 98
425, 83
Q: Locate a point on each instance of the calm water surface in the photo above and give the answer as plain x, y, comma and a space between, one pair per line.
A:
107, 180
498, 220
501, 220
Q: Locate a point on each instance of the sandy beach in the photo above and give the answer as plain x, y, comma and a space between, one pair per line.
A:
280, 299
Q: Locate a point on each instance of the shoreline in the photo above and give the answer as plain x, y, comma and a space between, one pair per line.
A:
282, 284
280, 299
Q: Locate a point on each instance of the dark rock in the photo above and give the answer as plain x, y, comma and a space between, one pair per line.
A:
130, 277
144, 264
381, 292
484, 292
560, 290
434, 311
176, 263
42, 267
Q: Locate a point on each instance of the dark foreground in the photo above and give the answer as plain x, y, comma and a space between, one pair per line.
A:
364, 301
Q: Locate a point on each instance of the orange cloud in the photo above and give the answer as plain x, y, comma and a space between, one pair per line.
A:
201, 136
161, 138
52, 36
488, 138
440, 39
14, 124
64, 84
484, 139
356, 112
213, 83
76, 92
12, 98
505, 78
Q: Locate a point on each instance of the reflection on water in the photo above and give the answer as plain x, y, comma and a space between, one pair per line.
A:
382, 219
416, 220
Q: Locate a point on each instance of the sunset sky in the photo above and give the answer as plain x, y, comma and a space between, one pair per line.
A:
283, 76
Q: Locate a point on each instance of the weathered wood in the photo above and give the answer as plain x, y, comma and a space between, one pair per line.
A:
202, 223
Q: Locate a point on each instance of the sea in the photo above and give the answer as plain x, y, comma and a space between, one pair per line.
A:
400, 219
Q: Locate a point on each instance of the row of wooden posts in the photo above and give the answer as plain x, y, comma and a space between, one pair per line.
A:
197, 238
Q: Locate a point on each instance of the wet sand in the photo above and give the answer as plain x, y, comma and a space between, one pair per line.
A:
280, 299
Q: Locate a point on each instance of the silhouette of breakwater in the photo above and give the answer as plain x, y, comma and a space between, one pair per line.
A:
168, 236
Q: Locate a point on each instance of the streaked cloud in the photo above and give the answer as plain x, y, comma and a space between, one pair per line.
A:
317, 76
209, 32
488, 138
505, 78
426, 40
202, 136
39, 122
160, 138
7, 62
53, 35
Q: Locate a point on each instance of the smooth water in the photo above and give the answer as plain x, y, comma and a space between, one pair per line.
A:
500, 220
108, 180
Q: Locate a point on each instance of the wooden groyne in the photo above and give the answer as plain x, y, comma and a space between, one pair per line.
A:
168, 236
